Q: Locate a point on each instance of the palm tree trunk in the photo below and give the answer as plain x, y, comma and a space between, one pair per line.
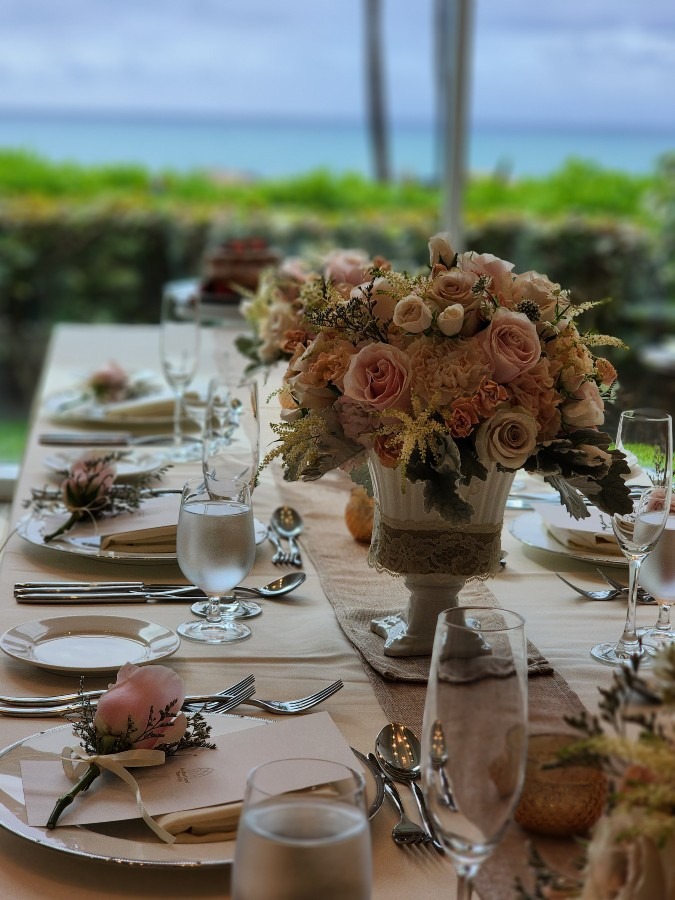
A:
377, 120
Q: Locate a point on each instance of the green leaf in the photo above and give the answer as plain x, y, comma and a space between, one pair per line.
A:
361, 476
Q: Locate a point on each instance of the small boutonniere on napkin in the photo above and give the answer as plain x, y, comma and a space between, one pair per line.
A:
138, 722
89, 490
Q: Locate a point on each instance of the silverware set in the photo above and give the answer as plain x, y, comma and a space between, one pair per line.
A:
66, 705
616, 589
285, 525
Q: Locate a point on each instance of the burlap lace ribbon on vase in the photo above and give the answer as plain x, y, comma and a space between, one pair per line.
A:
410, 548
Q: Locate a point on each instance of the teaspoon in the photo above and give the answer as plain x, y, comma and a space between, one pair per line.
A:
398, 751
274, 589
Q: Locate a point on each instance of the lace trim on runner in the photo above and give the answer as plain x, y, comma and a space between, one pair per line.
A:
473, 551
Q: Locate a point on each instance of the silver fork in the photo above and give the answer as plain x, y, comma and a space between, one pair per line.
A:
225, 704
280, 558
611, 594
643, 595
405, 832
280, 707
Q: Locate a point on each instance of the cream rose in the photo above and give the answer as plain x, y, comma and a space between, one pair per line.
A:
451, 319
440, 249
511, 343
540, 290
412, 314
508, 438
586, 409
379, 376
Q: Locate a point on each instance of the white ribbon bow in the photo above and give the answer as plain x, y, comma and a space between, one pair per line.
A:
117, 763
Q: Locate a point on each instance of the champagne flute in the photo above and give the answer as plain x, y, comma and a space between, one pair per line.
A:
230, 450
215, 546
303, 833
657, 575
179, 354
476, 710
644, 434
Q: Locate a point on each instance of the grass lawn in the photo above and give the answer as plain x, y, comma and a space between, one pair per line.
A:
13, 434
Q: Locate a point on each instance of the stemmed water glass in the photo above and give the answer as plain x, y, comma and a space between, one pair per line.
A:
644, 435
657, 575
230, 450
474, 733
179, 356
215, 546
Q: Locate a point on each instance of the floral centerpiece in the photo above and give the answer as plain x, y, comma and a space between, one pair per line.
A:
446, 374
631, 851
433, 390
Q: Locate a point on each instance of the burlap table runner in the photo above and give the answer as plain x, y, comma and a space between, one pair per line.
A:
359, 593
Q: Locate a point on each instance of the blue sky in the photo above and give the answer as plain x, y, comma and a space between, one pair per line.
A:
606, 63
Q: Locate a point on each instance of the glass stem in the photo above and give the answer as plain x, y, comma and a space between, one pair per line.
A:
213, 613
464, 890
629, 643
177, 415
663, 621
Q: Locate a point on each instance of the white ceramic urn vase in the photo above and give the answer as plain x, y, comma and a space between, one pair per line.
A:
434, 557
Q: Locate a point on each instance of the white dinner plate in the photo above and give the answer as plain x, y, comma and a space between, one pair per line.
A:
128, 843
529, 529
32, 527
87, 645
132, 464
77, 405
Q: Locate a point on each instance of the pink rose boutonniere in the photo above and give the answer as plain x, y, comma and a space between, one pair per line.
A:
137, 722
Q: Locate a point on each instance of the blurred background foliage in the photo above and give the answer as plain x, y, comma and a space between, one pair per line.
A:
86, 244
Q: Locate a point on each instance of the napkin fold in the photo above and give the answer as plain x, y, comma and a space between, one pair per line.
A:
156, 407
203, 826
594, 533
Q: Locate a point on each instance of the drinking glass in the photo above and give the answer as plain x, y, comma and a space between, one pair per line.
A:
303, 833
230, 450
215, 547
179, 355
644, 434
657, 575
474, 732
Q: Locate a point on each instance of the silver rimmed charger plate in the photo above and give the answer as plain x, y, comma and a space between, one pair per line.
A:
32, 529
131, 465
123, 843
77, 645
530, 530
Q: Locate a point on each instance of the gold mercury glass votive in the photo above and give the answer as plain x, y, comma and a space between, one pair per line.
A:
560, 800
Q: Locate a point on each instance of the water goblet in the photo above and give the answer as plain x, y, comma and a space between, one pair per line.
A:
657, 575
646, 435
179, 354
303, 833
476, 709
230, 449
215, 545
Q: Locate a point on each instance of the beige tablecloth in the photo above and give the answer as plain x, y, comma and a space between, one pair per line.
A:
296, 646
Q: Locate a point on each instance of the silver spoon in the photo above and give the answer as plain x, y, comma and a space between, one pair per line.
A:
273, 589
288, 523
398, 751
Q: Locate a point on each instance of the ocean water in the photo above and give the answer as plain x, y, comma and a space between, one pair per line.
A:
278, 149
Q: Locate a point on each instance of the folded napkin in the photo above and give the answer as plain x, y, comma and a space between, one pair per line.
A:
154, 407
594, 533
150, 529
203, 826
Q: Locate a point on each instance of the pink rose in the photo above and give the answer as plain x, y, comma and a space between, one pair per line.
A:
379, 376
139, 693
511, 343
585, 409
496, 269
537, 288
347, 266
508, 438
412, 314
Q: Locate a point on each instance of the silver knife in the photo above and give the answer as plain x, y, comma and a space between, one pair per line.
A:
101, 439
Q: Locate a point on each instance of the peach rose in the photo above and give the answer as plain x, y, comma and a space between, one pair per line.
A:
585, 409
388, 450
462, 419
496, 269
347, 266
451, 319
607, 374
488, 397
379, 376
139, 692
511, 343
508, 438
412, 314
537, 288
